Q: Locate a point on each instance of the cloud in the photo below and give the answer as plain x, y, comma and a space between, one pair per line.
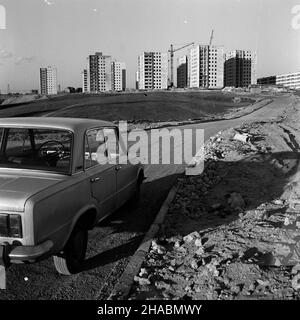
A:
49, 3
5, 54
21, 60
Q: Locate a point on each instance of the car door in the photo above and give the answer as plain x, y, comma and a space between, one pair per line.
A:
101, 173
126, 172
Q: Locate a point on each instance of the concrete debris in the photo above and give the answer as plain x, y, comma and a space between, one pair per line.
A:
296, 268
142, 281
296, 282
242, 137
194, 264
232, 231
190, 237
143, 272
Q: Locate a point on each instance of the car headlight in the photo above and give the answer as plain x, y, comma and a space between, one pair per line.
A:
10, 226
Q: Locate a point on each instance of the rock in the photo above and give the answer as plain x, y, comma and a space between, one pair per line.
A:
279, 202
198, 243
189, 238
161, 249
177, 244
182, 250
194, 264
157, 248
162, 285
295, 282
200, 251
154, 245
263, 283
212, 269
143, 272
173, 262
235, 289
296, 268
141, 281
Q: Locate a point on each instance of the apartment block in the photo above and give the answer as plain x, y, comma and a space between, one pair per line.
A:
153, 71
206, 67
240, 68
182, 72
118, 70
85, 84
99, 75
48, 80
267, 80
289, 80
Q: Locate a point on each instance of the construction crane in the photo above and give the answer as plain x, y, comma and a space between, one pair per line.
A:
211, 37
172, 51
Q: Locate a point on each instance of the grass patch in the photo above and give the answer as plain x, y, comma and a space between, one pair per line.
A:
150, 106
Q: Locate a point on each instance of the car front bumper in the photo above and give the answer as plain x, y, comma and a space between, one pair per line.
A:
18, 253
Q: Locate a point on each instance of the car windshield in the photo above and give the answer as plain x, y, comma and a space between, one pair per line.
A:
36, 149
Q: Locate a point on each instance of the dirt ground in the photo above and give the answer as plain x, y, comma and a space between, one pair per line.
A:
233, 232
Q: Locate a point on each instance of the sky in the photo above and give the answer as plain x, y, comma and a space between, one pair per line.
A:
63, 33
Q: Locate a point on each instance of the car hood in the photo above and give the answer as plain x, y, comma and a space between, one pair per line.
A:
15, 190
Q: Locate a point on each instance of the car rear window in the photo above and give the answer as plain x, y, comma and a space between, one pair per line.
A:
36, 149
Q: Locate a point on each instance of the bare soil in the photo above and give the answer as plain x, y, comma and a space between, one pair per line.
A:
233, 232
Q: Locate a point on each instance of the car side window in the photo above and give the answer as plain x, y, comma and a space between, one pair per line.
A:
95, 148
112, 145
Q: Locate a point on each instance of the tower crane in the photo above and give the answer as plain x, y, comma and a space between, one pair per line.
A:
172, 51
211, 37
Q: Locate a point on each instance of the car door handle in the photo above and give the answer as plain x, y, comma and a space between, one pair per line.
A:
95, 179
118, 168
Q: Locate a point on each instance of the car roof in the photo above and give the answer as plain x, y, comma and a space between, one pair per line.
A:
72, 124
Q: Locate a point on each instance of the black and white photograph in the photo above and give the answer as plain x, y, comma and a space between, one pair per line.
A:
149, 152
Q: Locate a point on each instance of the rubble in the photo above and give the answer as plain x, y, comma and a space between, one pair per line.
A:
233, 232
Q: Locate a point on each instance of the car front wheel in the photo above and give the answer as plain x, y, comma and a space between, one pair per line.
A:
70, 260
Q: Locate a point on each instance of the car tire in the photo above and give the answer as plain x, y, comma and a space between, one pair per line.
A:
70, 260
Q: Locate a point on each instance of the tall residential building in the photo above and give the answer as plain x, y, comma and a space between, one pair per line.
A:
182, 72
85, 86
48, 80
118, 70
153, 70
206, 67
240, 68
99, 75
137, 80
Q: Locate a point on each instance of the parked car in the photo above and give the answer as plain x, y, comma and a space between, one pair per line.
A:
58, 178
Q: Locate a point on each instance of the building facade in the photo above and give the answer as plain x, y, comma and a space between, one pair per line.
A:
206, 67
267, 80
48, 80
152, 71
289, 80
103, 74
182, 72
240, 68
99, 75
118, 70
85, 85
